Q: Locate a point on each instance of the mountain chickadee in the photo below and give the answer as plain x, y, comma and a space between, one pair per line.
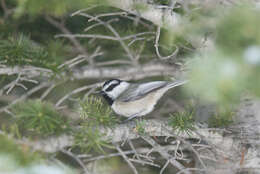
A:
134, 100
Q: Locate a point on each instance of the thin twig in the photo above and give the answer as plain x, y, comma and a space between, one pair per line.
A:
13, 84
91, 57
128, 152
76, 159
156, 45
133, 148
114, 62
99, 36
126, 159
98, 24
75, 91
115, 33
83, 10
164, 167
46, 92
164, 153
189, 146
145, 162
27, 94
149, 26
73, 40
108, 14
71, 61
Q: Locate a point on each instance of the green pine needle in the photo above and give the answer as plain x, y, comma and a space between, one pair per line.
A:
140, 127
221, 119
20, 51
90, 139
94, 112
182, 122
39, 118
22, 154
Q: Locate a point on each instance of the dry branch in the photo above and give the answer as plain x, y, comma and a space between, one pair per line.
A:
26, 70
126, 72
223, 147
146, 70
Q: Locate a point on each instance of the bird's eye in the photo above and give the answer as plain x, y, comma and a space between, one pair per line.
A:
111, 87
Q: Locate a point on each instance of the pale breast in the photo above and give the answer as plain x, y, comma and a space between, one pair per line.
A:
140, 107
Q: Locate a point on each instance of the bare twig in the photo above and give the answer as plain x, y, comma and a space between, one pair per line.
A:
164, 167
73, 40
140, 51
98, 36
76, 159
9, 112
140, 151
144, 162
27, 94
83, 10
98, 24
47, 91
71, 61
133, 148
75, 91
115, 33
156, 45
108, 14
164, 154
113, 62
126, 159
91, 57
134, 40
15, 83
149, 26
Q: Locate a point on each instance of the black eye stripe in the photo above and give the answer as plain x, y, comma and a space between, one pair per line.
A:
111, 80
111, 87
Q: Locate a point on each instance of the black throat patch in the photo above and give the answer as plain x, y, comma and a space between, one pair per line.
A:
109, 100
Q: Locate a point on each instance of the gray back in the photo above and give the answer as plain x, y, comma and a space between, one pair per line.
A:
137, 91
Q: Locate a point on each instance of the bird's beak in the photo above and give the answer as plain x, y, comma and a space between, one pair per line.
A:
101, 93
98, 92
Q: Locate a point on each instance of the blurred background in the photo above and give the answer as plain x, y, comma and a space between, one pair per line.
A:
56, 54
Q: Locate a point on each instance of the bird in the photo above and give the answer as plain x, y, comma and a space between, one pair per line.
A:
135, 99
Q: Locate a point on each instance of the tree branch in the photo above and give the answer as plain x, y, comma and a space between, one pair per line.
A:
225, 147
151, 12
146, 70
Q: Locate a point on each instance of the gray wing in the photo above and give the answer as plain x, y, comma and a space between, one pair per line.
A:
136, 91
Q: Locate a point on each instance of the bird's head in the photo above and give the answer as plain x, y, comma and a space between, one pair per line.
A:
113, 88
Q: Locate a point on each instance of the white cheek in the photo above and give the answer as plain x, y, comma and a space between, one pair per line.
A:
114, 93
118, 90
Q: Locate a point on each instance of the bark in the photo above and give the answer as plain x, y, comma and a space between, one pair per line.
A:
147, 70
230, 150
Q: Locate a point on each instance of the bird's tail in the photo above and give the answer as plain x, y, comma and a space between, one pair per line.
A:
176, 83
